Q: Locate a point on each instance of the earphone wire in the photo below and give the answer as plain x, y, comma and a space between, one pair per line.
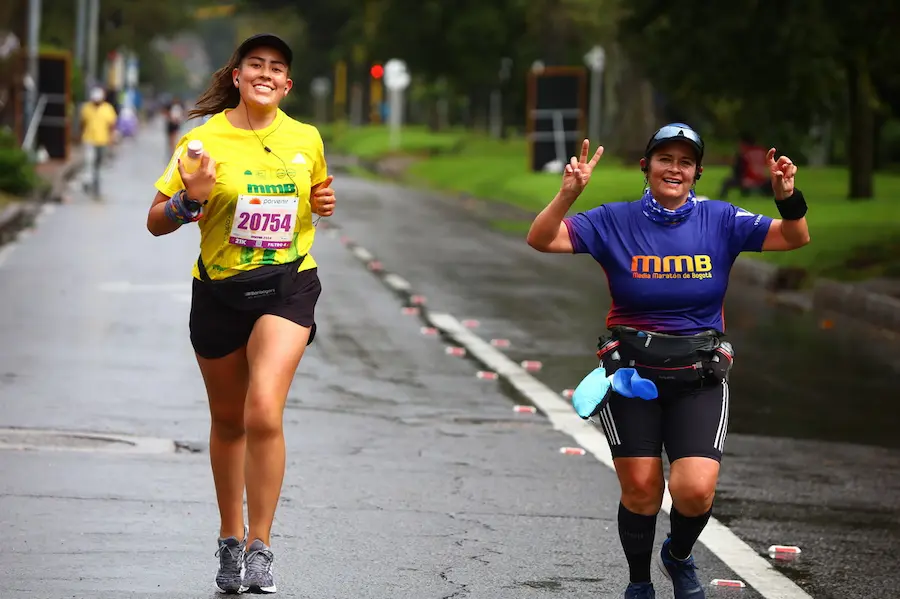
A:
262, 142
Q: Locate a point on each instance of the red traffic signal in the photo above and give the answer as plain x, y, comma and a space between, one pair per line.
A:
377, 71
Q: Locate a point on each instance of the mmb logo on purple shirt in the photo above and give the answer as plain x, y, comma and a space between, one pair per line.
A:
698, 266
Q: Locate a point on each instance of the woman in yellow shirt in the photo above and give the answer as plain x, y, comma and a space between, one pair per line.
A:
261, 177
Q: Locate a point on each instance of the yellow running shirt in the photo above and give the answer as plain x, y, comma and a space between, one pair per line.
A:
259, 211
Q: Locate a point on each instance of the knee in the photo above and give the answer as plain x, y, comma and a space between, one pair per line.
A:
228, 427
642, 492
693, 498
262, 418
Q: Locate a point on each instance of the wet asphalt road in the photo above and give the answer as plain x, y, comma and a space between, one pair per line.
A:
813, 452
407, 477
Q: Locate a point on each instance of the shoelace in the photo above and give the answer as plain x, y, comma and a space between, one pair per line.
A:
686, 570
262, 565
234, 564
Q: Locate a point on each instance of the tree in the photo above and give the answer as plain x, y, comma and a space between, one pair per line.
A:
783, 70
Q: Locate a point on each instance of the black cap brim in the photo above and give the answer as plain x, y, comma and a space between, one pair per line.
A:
268, 40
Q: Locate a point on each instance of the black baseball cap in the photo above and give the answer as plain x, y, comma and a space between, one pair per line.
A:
266, 39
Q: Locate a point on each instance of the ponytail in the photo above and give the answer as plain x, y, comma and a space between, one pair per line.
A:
221, 93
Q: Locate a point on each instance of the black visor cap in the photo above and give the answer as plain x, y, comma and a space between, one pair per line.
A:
266, 40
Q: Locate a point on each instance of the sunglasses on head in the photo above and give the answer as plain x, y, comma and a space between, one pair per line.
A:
672, 132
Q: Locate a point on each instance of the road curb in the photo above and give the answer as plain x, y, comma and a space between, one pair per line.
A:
22, 214
11, 221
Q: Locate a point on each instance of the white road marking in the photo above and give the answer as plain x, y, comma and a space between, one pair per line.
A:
396, 282
363, 254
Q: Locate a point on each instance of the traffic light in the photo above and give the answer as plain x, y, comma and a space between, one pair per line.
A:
377, 71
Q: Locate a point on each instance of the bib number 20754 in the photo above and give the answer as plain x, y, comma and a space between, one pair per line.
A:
264, 221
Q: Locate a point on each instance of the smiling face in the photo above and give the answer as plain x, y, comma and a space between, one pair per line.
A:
672, 171
263, 77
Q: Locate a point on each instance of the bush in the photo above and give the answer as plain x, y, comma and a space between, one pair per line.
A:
17, 174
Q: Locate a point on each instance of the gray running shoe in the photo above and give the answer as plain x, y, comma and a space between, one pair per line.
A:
231, 564
258, 576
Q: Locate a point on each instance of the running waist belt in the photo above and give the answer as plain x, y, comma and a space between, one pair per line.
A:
661, 357
254, 289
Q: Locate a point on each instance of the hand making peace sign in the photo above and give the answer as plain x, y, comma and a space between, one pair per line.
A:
782, 172
578, 172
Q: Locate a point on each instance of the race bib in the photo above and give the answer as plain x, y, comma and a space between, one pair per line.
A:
264, 221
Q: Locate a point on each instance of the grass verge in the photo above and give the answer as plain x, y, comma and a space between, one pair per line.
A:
851, 240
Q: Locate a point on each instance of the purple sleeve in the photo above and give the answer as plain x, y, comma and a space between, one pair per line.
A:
588, 230
747, 230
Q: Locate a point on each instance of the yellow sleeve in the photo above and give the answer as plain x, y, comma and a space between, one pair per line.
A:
111, 115
170, 181
320, 168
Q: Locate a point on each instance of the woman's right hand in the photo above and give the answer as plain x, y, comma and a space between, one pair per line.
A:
577, 173
199, 184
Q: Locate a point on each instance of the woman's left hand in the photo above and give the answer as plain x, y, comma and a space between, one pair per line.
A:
782, 172
323, 199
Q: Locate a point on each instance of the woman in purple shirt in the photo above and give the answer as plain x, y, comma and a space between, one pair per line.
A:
667, 257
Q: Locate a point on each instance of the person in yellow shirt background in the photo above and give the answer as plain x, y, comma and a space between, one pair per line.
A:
98, 125
261, 177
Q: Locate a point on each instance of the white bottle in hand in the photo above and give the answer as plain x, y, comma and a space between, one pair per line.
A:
191, 160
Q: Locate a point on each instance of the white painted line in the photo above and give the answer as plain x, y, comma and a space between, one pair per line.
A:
6, 251
396, 282
734, 552
363, 254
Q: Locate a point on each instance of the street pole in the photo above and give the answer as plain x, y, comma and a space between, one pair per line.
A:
496, 114
505, 72
595, 60
80, 27
34, 36
396, 80
93, 30
596, 94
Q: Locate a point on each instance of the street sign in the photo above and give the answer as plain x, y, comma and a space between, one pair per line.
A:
394, 65
320, 86
595, 59
398, 81
555, 111
396, 77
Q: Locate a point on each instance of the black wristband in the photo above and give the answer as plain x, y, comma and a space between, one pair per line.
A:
793, 207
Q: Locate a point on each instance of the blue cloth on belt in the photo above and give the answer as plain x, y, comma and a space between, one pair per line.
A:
596, 387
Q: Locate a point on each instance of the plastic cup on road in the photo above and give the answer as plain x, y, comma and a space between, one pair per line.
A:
572, 451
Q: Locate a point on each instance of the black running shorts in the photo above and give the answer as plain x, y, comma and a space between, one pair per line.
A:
218, 329
686, 421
